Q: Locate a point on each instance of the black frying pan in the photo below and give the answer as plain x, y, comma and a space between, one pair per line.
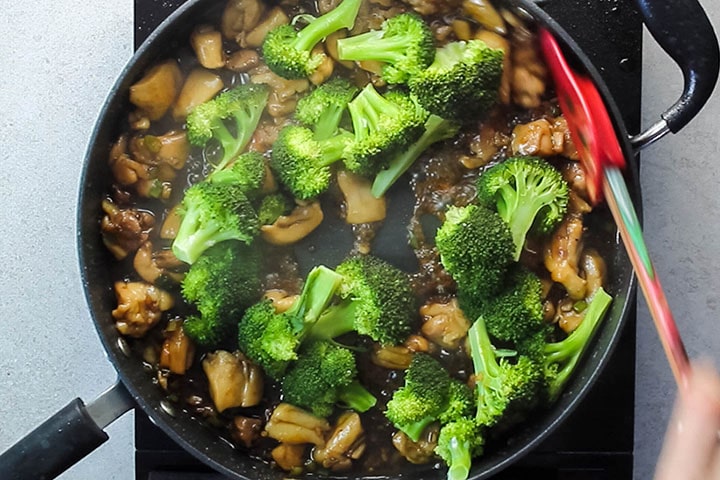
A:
682, 29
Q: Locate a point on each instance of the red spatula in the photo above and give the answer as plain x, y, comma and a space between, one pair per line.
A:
602, 159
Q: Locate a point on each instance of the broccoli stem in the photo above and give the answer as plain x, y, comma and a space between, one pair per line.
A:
460, 460
484, 360
436, 130
372, 46
231, 146
317, 293
335, 321
342, 16
193, 241
332, 149
357, 397
366, 110
415, 430
567, 352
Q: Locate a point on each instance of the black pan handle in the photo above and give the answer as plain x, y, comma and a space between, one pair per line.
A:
65, 438
683, 30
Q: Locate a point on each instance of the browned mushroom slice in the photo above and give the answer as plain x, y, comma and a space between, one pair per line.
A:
291, 228
360, 204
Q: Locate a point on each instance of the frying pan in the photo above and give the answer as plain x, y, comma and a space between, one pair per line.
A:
682, 29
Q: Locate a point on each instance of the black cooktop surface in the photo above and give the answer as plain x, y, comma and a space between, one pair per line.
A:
596, 442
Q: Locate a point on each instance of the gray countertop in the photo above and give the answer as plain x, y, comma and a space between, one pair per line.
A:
58, 63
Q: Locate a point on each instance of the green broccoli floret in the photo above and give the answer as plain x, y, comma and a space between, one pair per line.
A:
383, 127
212, 213
461, 402
560, 358
458, 443
528, 193
404, 43
272, 339
378, 301
273, 206
324, 375
288, 52
323, 108
302, 163
221, 283
422, 399
476, 249
506, 391
463, 81
247, 171
516, 313
436, 130
242, 107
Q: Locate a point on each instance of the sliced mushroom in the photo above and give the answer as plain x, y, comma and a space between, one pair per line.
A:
289, 229
290, 424
233, 380
246, 430
360, 204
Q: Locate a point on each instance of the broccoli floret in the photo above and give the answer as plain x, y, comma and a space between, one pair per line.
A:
560, 358
461, 402
378, 301
221, 283
528, 193
303, 163
242, 107
324, 375
323, 108
436, 130
476, 249
404, 43
272, 339
212, 213
273, 206
505, 391
288, 52
247, 171
422, 399
463, 81
458, 443
383, 127
516, 313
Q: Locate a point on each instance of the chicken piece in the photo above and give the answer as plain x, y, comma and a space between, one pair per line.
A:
562, 256
124, 229
420, 452
246, 430
566, 316
155, 265
295, 226
280, 299
288, 456
529, 74
594, 269
393, 357
140, 307
284, 93
233, 380
171, 148
562, 140
360, 204
345, 444
240, 17
444, 323
534, 138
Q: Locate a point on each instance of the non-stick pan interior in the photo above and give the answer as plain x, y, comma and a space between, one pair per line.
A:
328, 245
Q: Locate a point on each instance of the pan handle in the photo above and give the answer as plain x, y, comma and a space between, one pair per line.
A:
65, 438
683, 30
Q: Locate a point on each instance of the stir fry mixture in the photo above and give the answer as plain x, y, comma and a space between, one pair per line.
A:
282, 117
